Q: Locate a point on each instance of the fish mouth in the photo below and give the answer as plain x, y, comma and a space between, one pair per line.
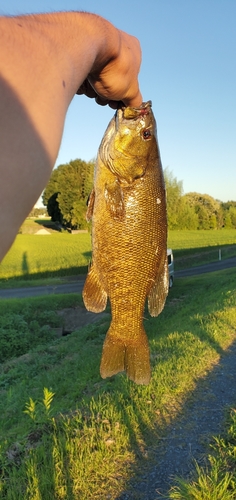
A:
127, 113
135, 113
126, 121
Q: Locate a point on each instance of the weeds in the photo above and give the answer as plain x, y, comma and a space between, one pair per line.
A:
92, 435
23, 328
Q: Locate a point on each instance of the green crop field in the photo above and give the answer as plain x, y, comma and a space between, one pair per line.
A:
56, 254
47, 255
193, 248
179, 240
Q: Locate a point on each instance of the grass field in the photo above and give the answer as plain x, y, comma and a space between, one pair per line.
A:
34, 257
194, 248
41, 256
66, 433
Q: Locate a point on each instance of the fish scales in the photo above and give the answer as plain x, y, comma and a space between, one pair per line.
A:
129, 239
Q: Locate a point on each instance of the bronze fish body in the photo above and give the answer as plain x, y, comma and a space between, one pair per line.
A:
129, 239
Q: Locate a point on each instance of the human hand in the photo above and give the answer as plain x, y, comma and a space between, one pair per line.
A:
115, 82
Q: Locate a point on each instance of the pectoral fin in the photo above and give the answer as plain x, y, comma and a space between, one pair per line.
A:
114, 199
91, 201
94, 297
159, 291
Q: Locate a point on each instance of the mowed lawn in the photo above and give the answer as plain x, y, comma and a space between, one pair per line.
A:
47, 255
180, 240
62, 254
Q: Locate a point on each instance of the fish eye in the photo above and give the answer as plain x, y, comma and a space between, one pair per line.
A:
146, 134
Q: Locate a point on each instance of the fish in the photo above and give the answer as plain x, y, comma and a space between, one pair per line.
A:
129, 265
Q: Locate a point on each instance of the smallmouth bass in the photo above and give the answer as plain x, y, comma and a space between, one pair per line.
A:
129, 239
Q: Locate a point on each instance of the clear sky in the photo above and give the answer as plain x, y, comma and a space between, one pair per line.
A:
189, 73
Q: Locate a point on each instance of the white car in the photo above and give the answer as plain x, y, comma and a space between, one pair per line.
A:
170, 266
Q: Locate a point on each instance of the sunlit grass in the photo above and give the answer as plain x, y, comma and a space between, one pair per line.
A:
218, 480
34, 257
180, 240
47, 255
194, 248
100, 432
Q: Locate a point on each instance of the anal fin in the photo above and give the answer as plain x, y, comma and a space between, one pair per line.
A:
94, 296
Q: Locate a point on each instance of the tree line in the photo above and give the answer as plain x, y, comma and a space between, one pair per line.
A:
195, 210
67, 192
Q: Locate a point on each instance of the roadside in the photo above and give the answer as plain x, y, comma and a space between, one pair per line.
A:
207, 268
187, 440
188, 437
74, 284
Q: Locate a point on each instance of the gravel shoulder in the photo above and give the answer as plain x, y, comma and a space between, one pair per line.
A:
189, 436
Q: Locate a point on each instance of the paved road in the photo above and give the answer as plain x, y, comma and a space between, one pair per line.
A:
36, 291
77, 285
207, 268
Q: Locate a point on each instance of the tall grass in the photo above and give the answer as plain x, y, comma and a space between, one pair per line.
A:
91, 435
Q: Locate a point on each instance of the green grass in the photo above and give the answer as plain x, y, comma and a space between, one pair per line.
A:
32, 225
85, 437
218, 481
36, 257
42, 256
181, 240
194, 248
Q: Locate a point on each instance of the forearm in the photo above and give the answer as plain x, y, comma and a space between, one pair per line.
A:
44, 59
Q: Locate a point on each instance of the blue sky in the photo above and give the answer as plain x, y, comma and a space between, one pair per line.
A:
189, 73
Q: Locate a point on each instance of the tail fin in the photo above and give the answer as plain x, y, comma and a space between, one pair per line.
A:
126, 354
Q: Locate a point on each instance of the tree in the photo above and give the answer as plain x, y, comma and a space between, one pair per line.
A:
229, 214
186, 216
179, 214
207, 209
38, 212
232, 212
227, 220
50, 196
174, 191
67, 192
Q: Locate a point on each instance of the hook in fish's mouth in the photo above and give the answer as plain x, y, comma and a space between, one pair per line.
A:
134, 113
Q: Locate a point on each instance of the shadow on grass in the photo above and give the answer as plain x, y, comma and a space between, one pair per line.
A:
161, 449
27, 276
172, 449
48, 223
186, 440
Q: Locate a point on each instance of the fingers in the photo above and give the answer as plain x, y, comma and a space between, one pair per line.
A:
116, 83
87, 89
134, 102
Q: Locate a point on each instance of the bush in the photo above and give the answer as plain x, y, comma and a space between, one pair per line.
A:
21, 332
